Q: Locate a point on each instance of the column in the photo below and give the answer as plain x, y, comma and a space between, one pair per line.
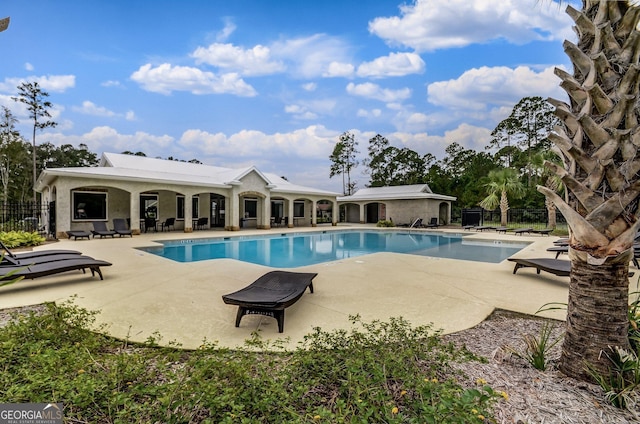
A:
188, 212
265, 211
134, 212
290, 213
314, 213
335, 214
362, 209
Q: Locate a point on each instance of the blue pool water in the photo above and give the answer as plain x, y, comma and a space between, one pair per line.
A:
300, 249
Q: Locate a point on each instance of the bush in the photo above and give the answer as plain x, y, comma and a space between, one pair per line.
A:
385, 223
376, 372
21, 238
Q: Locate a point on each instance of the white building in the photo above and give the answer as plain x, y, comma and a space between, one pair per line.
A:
138, 188
402, 204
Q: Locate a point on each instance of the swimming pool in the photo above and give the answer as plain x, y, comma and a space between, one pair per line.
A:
291, 250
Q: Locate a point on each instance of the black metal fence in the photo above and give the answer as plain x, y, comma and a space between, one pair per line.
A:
28, 216
534, 218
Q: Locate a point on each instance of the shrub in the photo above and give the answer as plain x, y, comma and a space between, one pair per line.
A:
376, 372
385, 223
21, 238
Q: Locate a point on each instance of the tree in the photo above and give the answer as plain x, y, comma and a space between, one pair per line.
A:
501, 140
389, 166
502, 184
599, 142
13, 153
343, 160
33, 97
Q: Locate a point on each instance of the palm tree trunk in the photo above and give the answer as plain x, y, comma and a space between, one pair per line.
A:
504, 208
596, 315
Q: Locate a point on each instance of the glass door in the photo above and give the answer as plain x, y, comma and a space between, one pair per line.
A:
217, 211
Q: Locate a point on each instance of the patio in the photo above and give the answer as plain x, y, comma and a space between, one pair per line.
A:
143, 293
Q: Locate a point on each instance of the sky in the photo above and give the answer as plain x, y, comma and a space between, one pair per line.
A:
273, 83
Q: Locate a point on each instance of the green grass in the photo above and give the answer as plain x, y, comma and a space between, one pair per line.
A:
383, 372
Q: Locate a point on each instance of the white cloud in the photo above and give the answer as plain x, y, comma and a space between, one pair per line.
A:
393, 65
374, 91
165, 79
300, 112
480, 89
29, 67
254, 61
310, 86
314, 56
336, 69
426, 25
90, 108
55, 83
111, 83
229, 28
107, 139
373, 113
311, 109
468, 136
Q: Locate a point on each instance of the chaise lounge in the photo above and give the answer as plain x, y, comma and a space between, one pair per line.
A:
100, 229
30, 255
270, 295
121, 228
554, 266
54, 267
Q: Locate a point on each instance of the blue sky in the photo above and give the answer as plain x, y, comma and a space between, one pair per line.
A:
273, 83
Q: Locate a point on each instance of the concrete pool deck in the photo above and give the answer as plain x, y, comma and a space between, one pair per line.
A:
143, 294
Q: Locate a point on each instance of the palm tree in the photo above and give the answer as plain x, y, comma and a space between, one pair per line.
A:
599, 142
504, 182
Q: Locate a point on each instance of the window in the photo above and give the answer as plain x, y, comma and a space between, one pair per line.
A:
89, 205
250, 208
148, 206
195, 202
298, 209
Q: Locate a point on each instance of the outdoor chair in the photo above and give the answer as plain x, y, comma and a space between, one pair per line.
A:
168, 224
8, 254
76, 234
520, 231
277, 222
543, 232
270, 295
416, 224
150, 224
121, 228
54, 267
553, 266
100, 229
432, 223
202, 223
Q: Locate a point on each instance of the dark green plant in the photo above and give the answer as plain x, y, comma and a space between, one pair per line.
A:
376, 372
537, 347
21, 238
622, 384
385, 223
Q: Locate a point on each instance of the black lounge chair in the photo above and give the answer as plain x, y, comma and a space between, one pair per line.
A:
433, 223
559, 250
543, 232
100, 229
554, 266
520, 231
76, 234
28, 255
502, 230
270, 295
484, 227
121, 228
416, 224
54, 267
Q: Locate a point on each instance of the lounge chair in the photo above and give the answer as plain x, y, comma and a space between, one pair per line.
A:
559, 250
270, 295
27, 255
543, 232
416, 224
8, 261
55, 267
502, 230
76, 234
520, 231
100, 229
484, 227
121, 228
553, 266
433, 223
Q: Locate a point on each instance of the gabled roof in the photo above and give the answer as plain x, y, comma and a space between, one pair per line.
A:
401, 192
123, 167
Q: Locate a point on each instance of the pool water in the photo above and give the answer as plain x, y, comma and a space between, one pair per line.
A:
300, 249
